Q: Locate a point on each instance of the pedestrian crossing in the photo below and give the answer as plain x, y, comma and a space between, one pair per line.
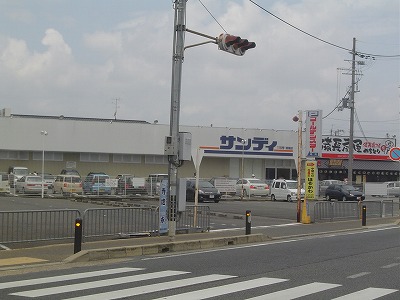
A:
132, 283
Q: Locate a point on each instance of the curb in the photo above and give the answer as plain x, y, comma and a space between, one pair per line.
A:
130, 251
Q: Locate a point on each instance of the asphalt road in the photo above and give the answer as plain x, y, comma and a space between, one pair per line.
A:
356, 265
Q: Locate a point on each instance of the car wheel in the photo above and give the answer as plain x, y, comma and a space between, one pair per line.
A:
273, 197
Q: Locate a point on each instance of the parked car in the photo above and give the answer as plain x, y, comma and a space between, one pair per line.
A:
251, 186
48, 178
129, 184
325, 183
30, 184
393, 188
16, 173
96, 183
70, 172
207, 192
67, 184
343, 192
282, 189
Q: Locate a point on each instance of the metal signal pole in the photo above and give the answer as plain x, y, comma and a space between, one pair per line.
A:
174, 162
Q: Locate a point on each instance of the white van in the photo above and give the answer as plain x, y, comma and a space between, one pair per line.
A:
16, 174
282, 189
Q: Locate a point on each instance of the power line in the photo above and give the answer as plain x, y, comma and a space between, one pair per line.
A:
212, 16
360, 54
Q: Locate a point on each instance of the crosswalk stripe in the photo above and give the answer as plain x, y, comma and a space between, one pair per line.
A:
97, 284
367, 294
12, 284
297, 292
140, 290
225, 289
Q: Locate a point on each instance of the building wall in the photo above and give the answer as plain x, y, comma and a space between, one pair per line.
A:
71, 139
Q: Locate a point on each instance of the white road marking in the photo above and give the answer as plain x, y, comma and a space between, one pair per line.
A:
358, 275
297, 292
390, 265
367, 294
269, 243
157, 287
12, 284
97, 284
255, 227
224, 289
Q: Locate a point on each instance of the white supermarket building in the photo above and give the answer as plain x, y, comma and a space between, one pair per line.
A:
137, 147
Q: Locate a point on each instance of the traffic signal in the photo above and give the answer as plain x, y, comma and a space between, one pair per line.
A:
234, 44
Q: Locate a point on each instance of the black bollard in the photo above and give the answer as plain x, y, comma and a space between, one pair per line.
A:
78, 235
248, 222
364, 215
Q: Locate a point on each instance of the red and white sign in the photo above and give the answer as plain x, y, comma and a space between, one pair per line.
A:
337, 147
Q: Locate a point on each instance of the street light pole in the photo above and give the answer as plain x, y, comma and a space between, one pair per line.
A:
43, 133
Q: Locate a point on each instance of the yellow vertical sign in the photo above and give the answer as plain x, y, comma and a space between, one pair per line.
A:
311, 179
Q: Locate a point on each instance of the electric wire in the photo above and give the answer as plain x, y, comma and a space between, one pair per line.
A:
361, 54
212, 16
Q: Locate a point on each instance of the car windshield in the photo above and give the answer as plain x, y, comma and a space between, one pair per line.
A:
21, 172
33, 179
205, 184
255, 181
74, 179
292, 184
349, 188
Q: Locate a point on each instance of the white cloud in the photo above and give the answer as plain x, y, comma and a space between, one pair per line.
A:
287, 71
107, 42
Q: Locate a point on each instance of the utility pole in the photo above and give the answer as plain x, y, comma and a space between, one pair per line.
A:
173, 160
351, 139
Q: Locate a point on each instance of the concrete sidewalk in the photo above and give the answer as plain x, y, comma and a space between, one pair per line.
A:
122, 248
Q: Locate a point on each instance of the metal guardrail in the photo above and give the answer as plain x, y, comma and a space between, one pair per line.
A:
37, 225
123, 222
195, 218
342, 210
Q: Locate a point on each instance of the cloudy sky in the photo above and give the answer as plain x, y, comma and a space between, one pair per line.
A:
76, 57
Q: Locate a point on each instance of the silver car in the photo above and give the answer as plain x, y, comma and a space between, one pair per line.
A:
30, 184
251, 186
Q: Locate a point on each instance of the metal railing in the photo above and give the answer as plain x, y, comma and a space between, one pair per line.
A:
195, 218
121, 222
342, 210
37, 225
